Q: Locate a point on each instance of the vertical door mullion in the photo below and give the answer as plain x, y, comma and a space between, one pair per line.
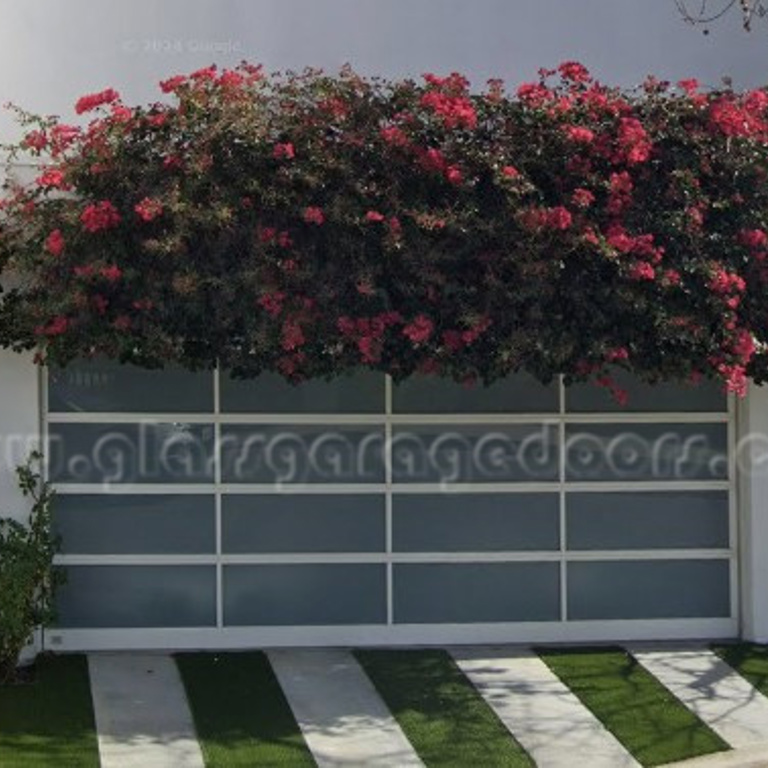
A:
561, 495
217, 496
388, 494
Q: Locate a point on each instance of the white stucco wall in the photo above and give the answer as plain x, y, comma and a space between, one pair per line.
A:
19, 426
51, 51
752, 459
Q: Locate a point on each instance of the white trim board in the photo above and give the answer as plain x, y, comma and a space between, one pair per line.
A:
396, 635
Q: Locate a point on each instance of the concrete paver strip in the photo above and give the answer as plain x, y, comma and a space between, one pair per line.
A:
718, 695
142, 716
548, 720
342, 717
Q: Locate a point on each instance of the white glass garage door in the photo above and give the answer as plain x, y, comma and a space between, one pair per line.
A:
197, 511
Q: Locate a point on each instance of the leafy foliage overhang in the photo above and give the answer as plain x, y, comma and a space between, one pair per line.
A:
311, 224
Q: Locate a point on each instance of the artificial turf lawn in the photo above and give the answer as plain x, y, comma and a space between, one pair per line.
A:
749, 660
640, 712
441, 713
240, 712
49, 722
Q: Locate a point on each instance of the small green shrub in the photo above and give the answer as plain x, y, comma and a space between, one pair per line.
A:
28, 578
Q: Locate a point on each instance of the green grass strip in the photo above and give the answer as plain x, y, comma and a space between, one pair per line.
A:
50, 721
241, 714
641, 713
749, 660
440, 711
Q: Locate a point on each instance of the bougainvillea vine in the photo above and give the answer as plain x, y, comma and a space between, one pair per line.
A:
312, 224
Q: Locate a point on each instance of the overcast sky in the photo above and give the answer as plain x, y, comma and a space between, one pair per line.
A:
52, 51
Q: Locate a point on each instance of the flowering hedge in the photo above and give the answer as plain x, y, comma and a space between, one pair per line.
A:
310, 224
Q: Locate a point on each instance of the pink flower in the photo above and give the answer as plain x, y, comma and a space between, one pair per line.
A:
172, 83
533, 219
689, 85
272, 303
36, 140
642, 270
455, 111
695, 217
111, 273
744, 345
63, 135
158, 119
370, 349
374, 216
633, 140
204, 74
54, 243
559, 218
453, 340
574, 71
419, 330
510, 172
394, 136
453, 174
733, 119
291, 336
98, 216
619, 239
93, 100
266, 234
433, 160
621, 183
52, 178
582, 198
148, 209
121, 113
314, 215
534, 94
284, 151
621, 193
56, 327
753, 238
619, 353
724, 283
230, 79
579, 135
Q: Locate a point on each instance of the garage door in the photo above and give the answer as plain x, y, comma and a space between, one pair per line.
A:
199, 511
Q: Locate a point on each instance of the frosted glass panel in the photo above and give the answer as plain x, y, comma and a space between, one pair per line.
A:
303, 523
658, 589
135, 524
478, 454
665, 396
131, 453
257, 453
517, 394
477, 522
271, 393
646, 452
446, 593
110, 386
138, 596
647, 520
304, 594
